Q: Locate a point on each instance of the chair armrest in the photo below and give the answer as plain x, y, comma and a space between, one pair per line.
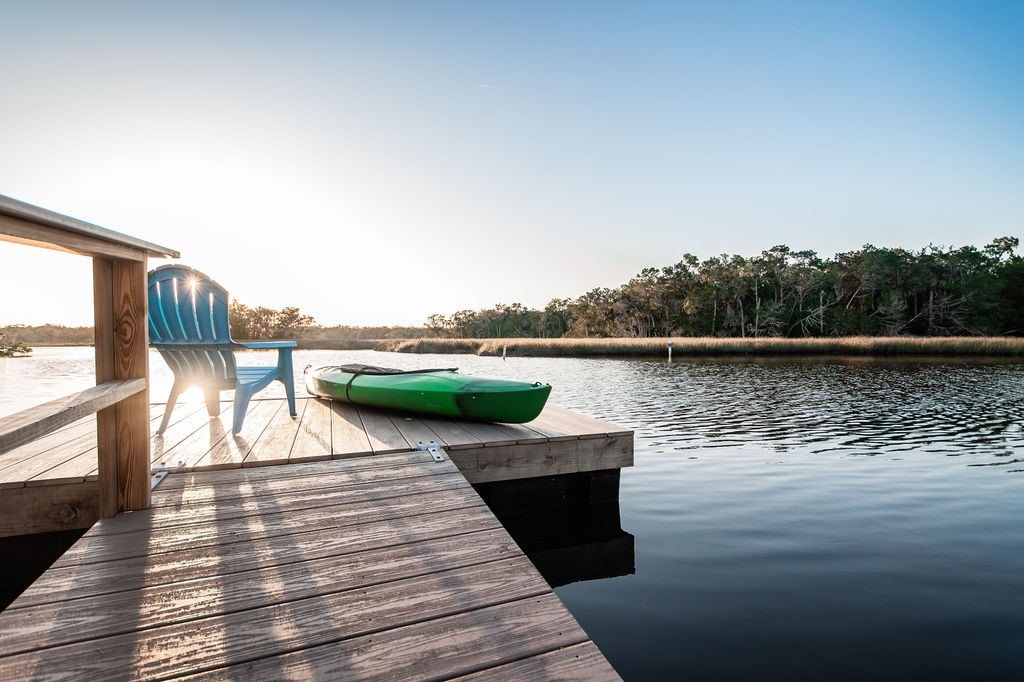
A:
266, 344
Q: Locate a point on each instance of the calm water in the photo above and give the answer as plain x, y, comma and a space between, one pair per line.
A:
798, 520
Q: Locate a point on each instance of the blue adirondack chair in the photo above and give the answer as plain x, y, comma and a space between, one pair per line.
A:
188, 324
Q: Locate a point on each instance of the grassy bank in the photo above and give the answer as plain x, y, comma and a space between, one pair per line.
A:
706, 346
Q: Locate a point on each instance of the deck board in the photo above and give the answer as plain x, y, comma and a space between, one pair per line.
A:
384, 436
557, 442
348, 435
384, 567
313, 441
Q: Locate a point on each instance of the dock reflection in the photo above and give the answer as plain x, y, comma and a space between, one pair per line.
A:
569, 526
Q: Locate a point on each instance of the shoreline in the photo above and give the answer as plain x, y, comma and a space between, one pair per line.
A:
863, 346
698, 347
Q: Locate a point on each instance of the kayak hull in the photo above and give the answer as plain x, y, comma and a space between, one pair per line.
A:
442, 392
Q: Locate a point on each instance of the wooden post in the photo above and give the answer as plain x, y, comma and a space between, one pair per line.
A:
106, 422
131, 353
122, 431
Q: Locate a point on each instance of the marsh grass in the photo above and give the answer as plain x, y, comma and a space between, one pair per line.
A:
708, 346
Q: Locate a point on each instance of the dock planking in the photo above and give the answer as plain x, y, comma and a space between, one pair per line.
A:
62, 466
388, 566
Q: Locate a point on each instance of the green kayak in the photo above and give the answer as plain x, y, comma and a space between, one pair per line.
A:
442, 392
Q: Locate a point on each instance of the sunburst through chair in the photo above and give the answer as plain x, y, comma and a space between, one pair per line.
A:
189, 326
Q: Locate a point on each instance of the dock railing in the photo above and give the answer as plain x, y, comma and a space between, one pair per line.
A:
120, 398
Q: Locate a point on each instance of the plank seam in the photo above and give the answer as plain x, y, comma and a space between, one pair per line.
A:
393, 545
269, 604
244, 514
266, 537
370, 633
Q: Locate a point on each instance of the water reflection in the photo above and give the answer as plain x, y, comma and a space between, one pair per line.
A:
568, 525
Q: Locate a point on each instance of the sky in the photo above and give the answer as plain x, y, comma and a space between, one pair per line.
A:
377, 162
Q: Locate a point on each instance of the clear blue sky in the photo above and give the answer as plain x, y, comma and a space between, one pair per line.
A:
375, 162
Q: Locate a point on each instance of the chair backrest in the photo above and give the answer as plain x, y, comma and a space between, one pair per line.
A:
188, 324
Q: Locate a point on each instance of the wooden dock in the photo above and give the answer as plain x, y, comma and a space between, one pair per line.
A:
52, 483
360, 559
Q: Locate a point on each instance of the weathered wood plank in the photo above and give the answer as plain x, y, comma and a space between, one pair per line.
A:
490, 434
38, 627
522, 433
22, 427
63, 582
69, 462
239, 638
348, 435
435, 649
104, 547
211, 431
171, 448
504, 463
275, 443
410, 459
35, 465
206, 493
83, 428
78, 464
156, 443
557, 419
452, 434
414, 430
297, 497
383, 434
230, 450
48, 508
313, 439
579, 663
60, 461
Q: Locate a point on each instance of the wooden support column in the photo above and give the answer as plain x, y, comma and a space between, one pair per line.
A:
106, 423
122, 353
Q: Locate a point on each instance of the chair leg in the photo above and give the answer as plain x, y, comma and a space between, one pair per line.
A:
287, 376
289, 390
242, 397
212, 401
171, 400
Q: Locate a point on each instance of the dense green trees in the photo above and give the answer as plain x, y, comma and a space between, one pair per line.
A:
48, 334
266, 323
936, 291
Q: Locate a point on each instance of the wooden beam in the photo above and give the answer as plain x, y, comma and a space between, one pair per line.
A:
46, 509
22, 427
529, 460
25, 232
59, 227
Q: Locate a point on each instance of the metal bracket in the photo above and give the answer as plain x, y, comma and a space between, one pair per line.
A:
159, 473
433, 448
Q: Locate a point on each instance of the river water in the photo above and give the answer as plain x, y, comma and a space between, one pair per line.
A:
813, 519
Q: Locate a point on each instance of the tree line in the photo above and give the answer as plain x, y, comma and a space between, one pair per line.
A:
49, 334
874, 291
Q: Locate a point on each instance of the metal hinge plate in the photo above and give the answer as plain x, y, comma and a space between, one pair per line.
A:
159, 473
433, 448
